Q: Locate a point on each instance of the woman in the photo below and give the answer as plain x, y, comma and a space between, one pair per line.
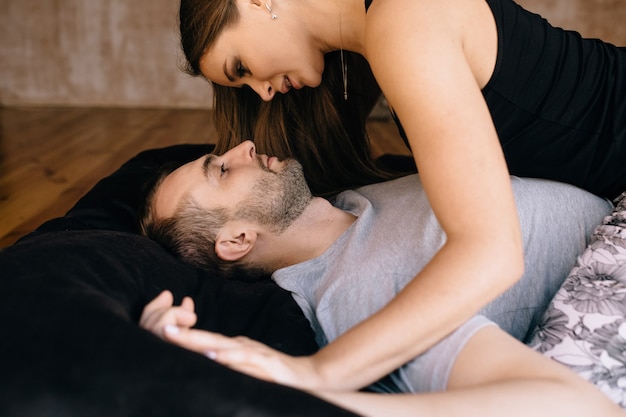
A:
481, 88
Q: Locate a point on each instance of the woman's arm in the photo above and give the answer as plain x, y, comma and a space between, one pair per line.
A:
494, 375
417, 50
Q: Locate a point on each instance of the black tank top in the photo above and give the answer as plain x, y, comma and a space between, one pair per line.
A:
558, 102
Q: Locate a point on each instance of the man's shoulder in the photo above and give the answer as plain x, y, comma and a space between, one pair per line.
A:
544, 192
388, 196
396, 186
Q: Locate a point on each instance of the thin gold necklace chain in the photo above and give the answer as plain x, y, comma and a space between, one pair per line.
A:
344, 65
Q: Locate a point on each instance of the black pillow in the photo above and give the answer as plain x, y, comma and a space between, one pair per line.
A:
72, 291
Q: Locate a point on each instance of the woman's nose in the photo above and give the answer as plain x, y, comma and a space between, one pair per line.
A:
265, 90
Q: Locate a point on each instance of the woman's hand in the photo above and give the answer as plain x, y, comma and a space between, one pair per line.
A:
161, 312
248, 356
173, 324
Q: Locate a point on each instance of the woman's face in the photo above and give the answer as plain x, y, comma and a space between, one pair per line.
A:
270, 56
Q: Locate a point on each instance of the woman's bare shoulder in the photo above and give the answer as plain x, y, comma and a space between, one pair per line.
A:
421, 28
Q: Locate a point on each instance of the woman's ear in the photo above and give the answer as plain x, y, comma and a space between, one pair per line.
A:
260, 3
233, 242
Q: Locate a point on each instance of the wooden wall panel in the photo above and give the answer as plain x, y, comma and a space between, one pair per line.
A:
94, 53
602, 19
126, 52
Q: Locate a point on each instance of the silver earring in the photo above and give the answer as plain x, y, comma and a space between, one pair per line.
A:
269, 9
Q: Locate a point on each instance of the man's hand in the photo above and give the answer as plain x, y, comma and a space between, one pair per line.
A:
161, 313
248, 356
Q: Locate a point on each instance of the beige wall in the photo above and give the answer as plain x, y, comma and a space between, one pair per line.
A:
126, 52
94, 53
592, 18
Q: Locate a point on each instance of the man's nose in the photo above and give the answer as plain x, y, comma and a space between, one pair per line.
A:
244, 152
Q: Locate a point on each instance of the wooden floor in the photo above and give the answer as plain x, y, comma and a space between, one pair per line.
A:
49, 157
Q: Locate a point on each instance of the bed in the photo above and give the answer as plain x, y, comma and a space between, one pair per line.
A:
584, 327
71, 294
72, 291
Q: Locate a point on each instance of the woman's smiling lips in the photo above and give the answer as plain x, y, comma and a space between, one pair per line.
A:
289, 84
270, 160
286, 86
267, 160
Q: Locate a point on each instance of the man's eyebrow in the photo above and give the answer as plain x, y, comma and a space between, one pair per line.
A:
228, 74
207, 161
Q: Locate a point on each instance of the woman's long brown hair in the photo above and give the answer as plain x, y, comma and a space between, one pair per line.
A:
315, 125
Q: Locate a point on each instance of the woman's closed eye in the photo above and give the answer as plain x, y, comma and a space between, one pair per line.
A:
223, 169
240, 70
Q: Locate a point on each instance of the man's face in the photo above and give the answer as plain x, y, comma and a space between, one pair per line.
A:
253, 187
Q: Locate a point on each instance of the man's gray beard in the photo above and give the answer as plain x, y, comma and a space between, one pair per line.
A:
278, 198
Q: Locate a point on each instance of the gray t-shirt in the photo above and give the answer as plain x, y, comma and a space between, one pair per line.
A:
395, 236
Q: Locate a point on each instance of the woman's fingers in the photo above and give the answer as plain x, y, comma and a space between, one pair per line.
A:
187, 304
201, 341
179, 317
230, 351
161, 312
239, 353
151, 312
163, 300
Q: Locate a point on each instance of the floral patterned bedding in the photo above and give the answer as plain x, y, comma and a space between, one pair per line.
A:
585, 326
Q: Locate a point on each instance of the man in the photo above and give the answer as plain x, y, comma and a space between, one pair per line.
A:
344, 261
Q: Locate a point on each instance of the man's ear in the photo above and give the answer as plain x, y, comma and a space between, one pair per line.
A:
233, 242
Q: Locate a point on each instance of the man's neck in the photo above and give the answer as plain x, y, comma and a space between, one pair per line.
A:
308, 237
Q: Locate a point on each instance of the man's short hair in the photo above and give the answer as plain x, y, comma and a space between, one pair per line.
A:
190, 233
